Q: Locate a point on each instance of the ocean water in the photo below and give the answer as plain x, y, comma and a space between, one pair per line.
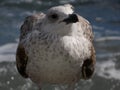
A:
104, 16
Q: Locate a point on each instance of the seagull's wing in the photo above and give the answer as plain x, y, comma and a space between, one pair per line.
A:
86, 27
88, 64
21, 60
27, 27
31, 23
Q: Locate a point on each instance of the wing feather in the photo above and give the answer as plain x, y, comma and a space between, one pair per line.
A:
87, 28
21, 56
30, 24
21, 60
88, 66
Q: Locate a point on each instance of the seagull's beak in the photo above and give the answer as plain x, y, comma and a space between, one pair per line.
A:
73, 18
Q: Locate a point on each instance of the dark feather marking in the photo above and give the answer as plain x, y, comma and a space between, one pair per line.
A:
21, 61
89, 66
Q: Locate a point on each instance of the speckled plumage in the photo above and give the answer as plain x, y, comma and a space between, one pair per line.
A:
56, 52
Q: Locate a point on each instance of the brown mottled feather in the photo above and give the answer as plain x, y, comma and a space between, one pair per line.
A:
87, 28
29, 23
88, 64
21, 56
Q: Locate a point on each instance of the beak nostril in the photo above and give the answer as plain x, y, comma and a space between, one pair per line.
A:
73, 18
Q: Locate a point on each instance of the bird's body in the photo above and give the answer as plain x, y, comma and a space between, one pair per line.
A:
51, 59
53, 54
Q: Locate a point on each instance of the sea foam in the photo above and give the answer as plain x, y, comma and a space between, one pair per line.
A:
7, 52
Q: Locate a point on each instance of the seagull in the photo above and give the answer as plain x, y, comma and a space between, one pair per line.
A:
56, 47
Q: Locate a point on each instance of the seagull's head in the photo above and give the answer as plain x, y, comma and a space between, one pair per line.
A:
60, 20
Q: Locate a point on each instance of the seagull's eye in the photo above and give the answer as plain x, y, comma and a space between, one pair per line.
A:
54, 16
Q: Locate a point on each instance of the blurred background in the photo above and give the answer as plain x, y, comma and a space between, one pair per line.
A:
104, 16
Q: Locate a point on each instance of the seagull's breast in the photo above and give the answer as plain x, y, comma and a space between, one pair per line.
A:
55, 61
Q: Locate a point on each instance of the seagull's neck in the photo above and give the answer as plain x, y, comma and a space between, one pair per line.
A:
75, 31
52, 36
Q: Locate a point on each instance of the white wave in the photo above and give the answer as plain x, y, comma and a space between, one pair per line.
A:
8, 48
107, 70
7, 52
98, 28
103, 55
107, 38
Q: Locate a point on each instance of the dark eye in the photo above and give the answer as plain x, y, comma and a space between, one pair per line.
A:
54, 16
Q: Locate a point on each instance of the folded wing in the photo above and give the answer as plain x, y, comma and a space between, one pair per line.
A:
21, 55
